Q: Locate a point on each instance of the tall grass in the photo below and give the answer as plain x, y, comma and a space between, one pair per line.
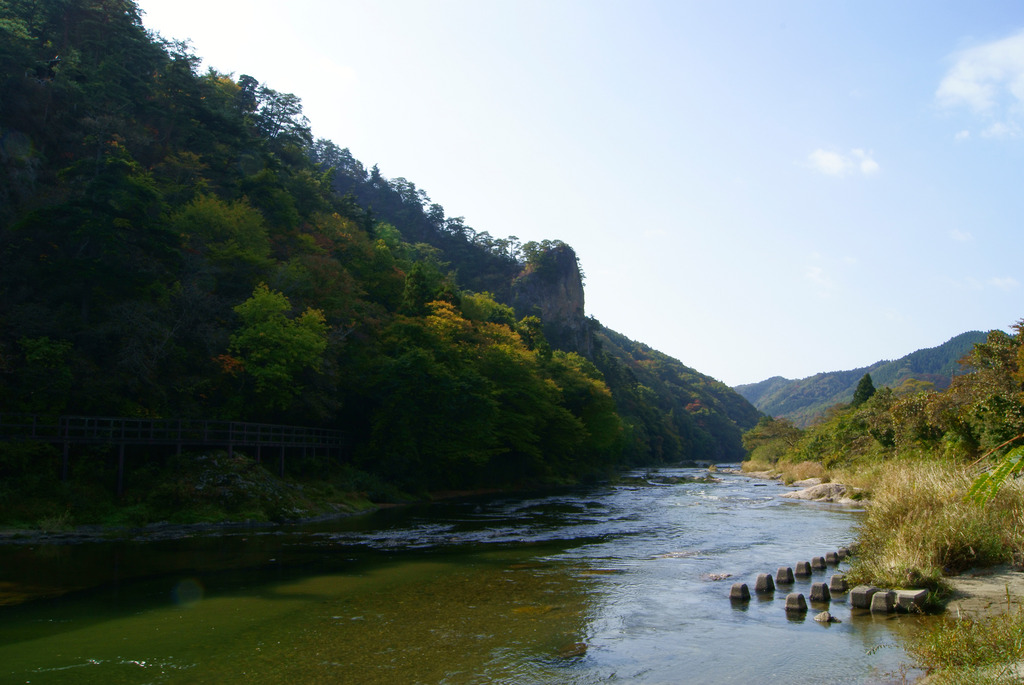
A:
965, 651
919, 526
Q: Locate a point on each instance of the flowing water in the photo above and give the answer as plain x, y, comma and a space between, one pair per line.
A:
612, 584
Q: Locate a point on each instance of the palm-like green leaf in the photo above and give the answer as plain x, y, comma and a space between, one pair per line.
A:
987, 484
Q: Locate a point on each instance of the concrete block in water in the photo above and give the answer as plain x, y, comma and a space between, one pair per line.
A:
795, 603
843, 552
784, 576
739, 592
803, 569
832, 558
911, 600
837, 583
764, 584
820, 593
883, 602
818, 563
860, 596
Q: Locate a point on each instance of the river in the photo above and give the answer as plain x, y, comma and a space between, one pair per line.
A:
609, 584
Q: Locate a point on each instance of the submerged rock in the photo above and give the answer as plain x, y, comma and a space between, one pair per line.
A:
825, 617
576, 649
716, 576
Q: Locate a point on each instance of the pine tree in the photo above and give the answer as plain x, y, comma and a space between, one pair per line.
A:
865, 389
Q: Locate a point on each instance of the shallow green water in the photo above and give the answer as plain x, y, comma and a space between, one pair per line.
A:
607, 585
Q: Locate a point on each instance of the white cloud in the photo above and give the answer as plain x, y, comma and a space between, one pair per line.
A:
868, 166
815, 274
962, 135
1001, 129
833, 163
829, 163
1007, 283
988, 80
960, 236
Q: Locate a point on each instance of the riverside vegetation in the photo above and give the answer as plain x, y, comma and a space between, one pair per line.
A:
921, 460
178, 244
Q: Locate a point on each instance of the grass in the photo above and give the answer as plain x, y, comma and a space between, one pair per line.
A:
804, 470
919, 527
965, 651
790, 472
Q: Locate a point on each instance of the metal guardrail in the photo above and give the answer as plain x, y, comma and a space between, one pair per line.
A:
122, 431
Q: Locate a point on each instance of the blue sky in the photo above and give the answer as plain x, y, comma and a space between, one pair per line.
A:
755, 188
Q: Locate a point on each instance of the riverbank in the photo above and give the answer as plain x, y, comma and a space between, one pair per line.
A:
986, 592
196, 493
920, 530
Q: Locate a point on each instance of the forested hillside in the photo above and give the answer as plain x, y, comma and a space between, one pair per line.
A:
178, 244
802, 401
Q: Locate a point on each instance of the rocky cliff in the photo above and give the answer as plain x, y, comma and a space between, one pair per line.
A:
551, 287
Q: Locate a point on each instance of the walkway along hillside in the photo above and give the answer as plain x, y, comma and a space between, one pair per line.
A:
121, 432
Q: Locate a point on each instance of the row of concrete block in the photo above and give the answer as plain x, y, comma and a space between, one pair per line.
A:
873, 599
879, 601
787, 576
820, 592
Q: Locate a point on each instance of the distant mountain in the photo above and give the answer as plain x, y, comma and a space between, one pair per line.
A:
802, 401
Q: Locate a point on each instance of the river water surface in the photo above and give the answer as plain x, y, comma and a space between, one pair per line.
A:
611, 584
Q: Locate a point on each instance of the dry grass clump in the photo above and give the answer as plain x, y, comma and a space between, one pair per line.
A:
755, 465
788, 471
802, 471
919, 526
864, 478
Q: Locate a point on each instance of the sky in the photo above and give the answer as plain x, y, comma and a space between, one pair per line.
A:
755, 188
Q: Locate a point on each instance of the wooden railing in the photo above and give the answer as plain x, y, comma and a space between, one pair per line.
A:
121, 431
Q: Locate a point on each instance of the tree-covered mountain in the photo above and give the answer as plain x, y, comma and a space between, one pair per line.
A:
803, 401
177, 244
670, 410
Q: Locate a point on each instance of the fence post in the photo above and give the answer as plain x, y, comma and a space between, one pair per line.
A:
120, 469
62, 427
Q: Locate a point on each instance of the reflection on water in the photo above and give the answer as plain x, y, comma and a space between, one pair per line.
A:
618, 584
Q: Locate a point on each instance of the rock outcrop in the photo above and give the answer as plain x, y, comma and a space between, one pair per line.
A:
823, 492
551, 287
